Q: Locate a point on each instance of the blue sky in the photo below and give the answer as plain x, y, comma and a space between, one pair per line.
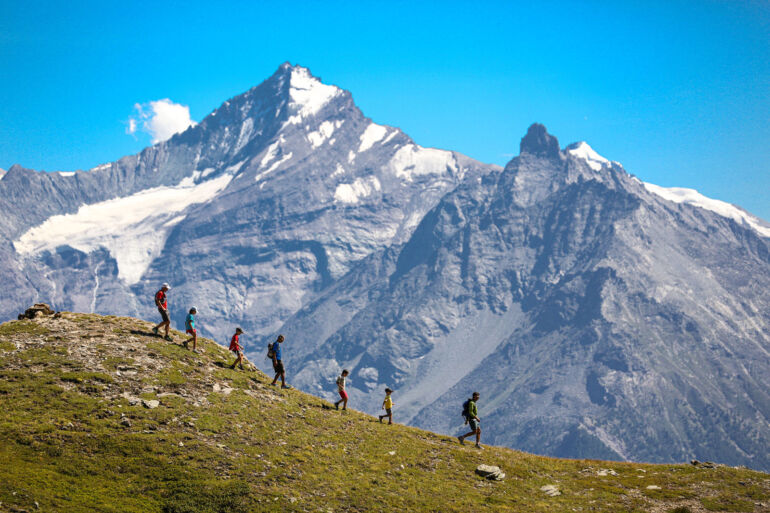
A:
679, 92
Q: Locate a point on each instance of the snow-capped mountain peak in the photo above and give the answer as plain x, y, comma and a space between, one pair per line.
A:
583, 151
724, 209
308, 94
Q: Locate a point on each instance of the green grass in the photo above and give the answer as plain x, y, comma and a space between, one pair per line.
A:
26, 327
262, 449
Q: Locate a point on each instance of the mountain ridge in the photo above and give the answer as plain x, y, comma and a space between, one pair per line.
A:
106, 416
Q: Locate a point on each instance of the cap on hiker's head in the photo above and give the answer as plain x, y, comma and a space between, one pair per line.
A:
280, 338
165, 286
476, 394
193, 309
388, 391
239, 330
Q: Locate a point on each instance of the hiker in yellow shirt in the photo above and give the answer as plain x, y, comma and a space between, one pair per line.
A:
387, 405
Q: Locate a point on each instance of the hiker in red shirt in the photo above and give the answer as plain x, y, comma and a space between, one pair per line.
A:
162, 303
236, 348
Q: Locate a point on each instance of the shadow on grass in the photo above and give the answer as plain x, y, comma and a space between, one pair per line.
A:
145, 333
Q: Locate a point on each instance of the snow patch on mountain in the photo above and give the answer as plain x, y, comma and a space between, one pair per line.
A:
274, 166
358, 190
371, 135
272, 151
66, 173
133, 229
235, 167
338, 171
325, 130
308, 94
247, 129
413, 160
583, 151
724, 209
2, 173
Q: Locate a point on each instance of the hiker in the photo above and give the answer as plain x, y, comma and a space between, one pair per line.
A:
471, 414
387, 405
278, 363
162, 303
189, 325
341, 390
236, 348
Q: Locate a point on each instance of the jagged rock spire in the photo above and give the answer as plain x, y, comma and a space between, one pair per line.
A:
539, 142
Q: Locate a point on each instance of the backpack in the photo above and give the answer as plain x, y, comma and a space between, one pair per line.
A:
466, 410
270, 352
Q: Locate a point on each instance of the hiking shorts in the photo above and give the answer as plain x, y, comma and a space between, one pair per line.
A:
278, 367
474, 424
191, 332
343, 394
388, 411
164, 315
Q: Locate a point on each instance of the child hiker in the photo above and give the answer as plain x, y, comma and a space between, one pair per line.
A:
189, 324
387, 405
236, 348
341, 390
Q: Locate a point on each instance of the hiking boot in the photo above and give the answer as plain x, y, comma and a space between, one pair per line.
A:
287, 387
380, 419
240, 367
155, 331
477, 446
167, 337
461, 439
273, 384
337, 405
186, 344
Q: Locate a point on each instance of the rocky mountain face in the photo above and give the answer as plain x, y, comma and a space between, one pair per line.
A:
597, 315
271, 197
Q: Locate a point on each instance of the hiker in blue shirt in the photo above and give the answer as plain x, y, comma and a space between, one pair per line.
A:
277, 363
189, 326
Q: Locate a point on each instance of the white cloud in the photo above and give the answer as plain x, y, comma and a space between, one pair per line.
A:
161, 119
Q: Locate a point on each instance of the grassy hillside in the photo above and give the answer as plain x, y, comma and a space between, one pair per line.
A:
75, 436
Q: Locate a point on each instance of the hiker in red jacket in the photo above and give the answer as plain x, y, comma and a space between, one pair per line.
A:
235, 347
162, 303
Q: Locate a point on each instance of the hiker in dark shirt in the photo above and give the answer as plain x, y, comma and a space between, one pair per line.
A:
471, 414
278, 363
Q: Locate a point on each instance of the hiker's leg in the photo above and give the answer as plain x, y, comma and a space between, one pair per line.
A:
195, 341
478, 435
168, 325
283, 378
470, 433
390, 418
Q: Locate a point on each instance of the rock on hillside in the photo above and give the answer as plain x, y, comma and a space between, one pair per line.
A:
99, 415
